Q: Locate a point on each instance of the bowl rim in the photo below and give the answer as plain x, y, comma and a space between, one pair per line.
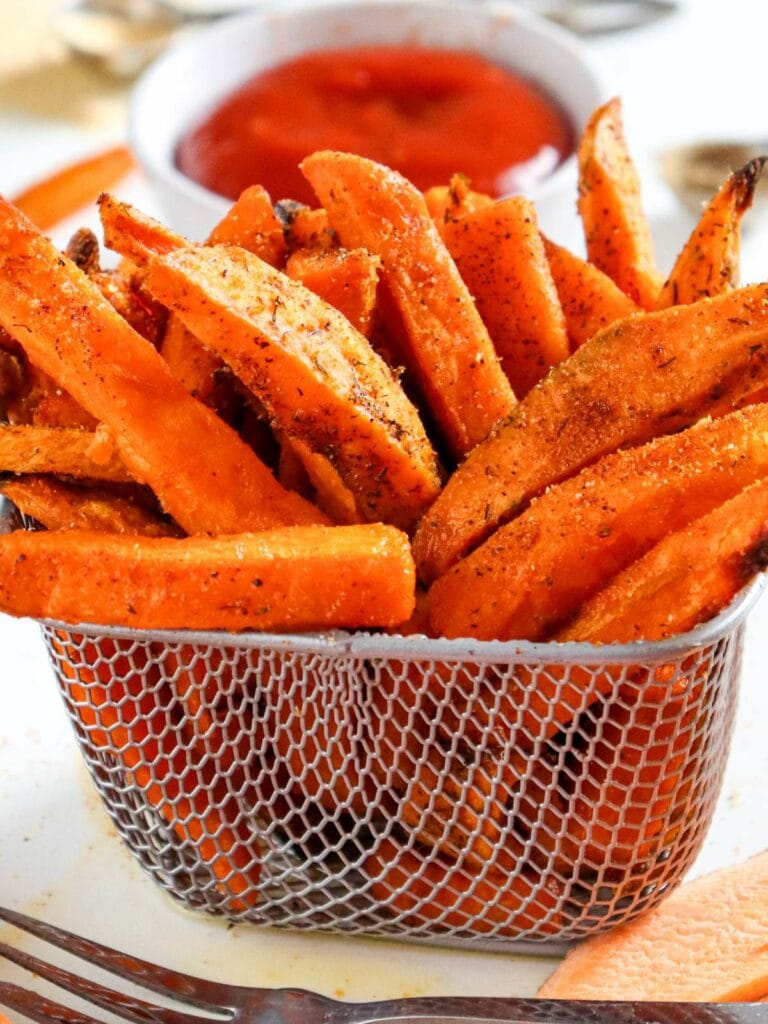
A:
159, 164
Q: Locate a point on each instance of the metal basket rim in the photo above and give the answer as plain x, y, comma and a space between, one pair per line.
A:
341, 643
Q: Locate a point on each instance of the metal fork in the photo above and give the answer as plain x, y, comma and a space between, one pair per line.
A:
240, 1005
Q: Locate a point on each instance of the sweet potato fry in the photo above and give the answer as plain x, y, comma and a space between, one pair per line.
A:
346, 279
709, 262
62, 506
200, 470
449, 350
589, 299
327, 487
617, 233
533, 574
133, 234
427, 890
64, 193
318, 378
78, 453
683, 581
648, 375
305, 228
123, 713
277, 579
447, 203
252, 224
500, 256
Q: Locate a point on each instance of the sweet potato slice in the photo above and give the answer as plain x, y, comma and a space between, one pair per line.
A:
534, 573
317, 377
346, 279
202, 473
589, 299
500, 256
685, 579
133, 234
617, 233
707, 942
305, 228
78, 453
61, 506
327, 487
647, 375
448, 347
709, 262
64, 193
277, 579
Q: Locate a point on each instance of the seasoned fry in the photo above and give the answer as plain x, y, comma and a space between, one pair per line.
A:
318, 378
61, 506
683, 581
447, 203
645, 376
535, 572
500, 256
306, 229
64, 193
449, 350
617, 233
121, 710
69, 452
589, 299
252, 224
200, 470
329, 492
709, 262
133, 234
426, 888
277, 579
346, 279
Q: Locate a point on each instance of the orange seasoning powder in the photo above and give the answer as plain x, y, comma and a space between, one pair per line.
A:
428, 113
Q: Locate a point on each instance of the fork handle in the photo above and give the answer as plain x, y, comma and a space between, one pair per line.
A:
458, 1010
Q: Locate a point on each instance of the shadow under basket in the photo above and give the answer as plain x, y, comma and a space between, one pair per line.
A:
484, 795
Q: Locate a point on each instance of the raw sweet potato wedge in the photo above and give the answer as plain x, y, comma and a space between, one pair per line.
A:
277, 579
707, 942
534, 574
617, 233
448, 348
346, 279
64, 193
648, 375
69, 452
202, 473
317, 377
687, 578
501, 258
62, 506
589, 299
709, 262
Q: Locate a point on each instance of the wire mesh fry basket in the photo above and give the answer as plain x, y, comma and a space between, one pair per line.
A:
443, 791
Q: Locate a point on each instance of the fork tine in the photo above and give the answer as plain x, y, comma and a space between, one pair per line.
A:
38, 1008
116, 1002
206, 995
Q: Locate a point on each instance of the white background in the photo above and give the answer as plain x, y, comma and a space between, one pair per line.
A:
698, 75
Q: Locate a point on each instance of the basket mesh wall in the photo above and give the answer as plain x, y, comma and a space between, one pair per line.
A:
461, 800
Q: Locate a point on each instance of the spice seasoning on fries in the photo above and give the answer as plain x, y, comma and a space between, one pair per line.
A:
242, 434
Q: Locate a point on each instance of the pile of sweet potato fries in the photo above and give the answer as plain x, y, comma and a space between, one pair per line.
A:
299, 422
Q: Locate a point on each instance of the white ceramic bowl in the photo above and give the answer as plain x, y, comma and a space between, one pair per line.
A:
197, 74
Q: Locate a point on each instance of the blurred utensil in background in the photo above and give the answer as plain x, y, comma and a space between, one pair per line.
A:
122, 36
696, 170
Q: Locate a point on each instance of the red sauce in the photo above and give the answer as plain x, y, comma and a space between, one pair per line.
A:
427, 113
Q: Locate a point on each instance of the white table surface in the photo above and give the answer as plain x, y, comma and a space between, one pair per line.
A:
700, 74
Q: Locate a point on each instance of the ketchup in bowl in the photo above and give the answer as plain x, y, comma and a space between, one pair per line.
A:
426, 112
